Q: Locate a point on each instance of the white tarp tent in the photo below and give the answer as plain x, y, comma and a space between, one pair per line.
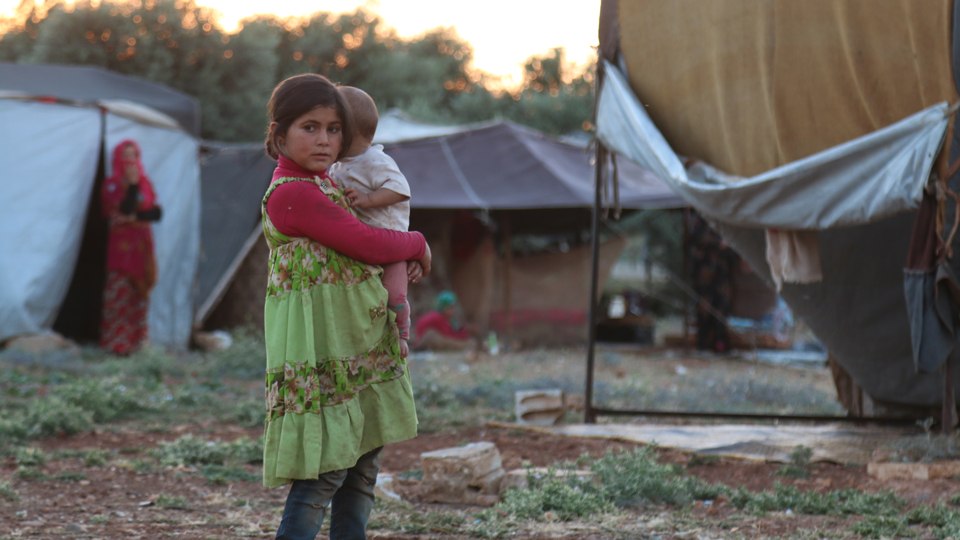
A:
50, 154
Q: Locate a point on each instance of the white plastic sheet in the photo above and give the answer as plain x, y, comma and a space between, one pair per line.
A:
866, 179
48, 162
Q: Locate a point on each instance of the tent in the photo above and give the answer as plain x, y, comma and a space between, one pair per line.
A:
812, 134
475, 188
58, 126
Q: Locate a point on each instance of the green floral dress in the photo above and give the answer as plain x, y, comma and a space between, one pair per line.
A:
336, 385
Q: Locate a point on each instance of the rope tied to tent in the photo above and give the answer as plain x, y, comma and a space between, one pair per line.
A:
940, 180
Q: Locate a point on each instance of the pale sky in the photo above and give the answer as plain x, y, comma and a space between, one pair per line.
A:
503, 33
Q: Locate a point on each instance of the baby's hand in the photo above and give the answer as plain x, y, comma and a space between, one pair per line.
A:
414, 271
404, 348
357, 199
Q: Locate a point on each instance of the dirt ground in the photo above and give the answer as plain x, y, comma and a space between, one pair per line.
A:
127, 493
120, 500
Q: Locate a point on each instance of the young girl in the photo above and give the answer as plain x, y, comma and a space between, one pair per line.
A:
337, 387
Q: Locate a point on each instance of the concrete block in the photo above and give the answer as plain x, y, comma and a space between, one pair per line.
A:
539, 407
913, 471
468, 474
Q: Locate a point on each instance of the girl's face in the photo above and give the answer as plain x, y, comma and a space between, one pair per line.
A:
313, 140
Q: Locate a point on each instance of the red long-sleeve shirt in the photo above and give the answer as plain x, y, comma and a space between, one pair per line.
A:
300, 209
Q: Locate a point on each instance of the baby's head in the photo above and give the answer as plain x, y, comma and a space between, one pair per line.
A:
297, 96
364, 111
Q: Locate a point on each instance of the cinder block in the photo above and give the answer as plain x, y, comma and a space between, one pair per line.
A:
468, 474
539, 407
913, 471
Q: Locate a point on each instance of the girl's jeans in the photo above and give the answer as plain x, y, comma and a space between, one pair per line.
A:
349, 493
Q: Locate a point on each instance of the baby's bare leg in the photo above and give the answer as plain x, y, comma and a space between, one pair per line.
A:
395, 281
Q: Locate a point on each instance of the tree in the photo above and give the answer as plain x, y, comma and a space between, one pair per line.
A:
177, 43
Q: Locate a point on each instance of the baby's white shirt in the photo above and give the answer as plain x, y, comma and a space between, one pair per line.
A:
370, 171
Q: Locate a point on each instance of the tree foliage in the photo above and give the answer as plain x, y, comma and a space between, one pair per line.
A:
180, 44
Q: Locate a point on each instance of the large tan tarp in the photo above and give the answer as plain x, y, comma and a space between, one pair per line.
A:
750, 85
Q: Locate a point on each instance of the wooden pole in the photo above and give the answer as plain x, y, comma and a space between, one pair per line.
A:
507, 280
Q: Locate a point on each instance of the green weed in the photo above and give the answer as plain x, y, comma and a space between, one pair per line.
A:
70, 476
171, 501
404, 518
95, 458
219, 462
30, 457
226, 474
633, 478
53, 416
190, 450
8, 493
799, 465
838, 502
556, 498
30, 473
882, 527
105, 399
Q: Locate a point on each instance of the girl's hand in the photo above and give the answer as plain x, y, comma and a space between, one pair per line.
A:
425, 261
356, 198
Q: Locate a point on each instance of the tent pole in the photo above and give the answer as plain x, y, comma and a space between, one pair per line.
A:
948, 412
507, 286
589, 415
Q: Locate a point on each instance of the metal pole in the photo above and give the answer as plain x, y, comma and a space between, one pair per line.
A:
589, 416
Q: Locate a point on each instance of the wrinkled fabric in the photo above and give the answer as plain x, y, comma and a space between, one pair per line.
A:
860, 181
793, 256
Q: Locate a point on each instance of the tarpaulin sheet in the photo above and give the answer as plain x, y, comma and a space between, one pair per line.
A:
871, 177
49, 161
748, 86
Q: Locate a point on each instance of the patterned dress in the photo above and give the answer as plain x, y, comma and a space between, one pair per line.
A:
336, 385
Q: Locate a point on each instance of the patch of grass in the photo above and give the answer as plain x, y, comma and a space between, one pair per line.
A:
838, 502
556, 498
634, 478
944, 520
30, 473
799, 465
8, 493
90, 457
882, 527
404, 518
244, 360
225, 474
53, 416
248, 413
190, 450
105, 399
30, 457
173, 502
219, 462
702, 460
70, 476
95, 458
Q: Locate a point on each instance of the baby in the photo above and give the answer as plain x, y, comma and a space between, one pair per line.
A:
379, 193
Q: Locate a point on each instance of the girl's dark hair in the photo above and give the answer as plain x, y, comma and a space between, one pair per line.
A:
298, 95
